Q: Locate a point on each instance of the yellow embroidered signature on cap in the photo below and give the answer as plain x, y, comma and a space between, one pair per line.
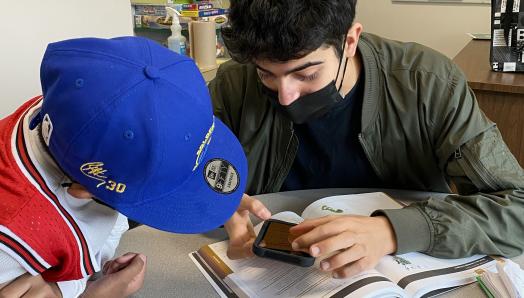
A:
205, 143
95, 170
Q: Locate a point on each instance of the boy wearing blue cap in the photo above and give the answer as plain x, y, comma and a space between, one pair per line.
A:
128, 123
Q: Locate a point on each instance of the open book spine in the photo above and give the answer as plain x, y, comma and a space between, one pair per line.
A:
215, 269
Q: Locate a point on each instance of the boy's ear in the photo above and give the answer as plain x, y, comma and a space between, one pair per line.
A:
352, 38
78, 191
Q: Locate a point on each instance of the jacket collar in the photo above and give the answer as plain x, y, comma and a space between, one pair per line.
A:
372, 89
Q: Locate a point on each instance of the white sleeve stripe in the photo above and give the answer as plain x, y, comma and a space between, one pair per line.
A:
36, 258
28, 267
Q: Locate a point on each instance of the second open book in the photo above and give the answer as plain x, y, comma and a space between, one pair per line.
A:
407, 275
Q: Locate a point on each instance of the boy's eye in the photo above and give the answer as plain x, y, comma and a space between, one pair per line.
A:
264, 75
308, 78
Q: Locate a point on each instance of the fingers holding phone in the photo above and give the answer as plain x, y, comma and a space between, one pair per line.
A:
348, 244
240, 229
273, 242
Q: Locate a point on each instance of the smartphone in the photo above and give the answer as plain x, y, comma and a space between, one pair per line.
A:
273, 242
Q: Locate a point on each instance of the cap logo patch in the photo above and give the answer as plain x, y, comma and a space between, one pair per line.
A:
96, 171
47, 129
221, 176
201, 152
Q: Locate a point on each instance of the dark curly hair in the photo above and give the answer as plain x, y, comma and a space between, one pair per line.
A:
282, 30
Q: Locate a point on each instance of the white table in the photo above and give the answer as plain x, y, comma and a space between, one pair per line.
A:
170, 272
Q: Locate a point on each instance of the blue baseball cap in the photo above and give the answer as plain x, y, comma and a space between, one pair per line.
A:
133, 123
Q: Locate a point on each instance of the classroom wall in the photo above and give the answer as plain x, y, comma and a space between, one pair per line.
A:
28, 26
27, 29
439, 26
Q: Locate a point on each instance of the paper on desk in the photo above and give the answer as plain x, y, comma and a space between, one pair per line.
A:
494, 283
508, 281
512, 277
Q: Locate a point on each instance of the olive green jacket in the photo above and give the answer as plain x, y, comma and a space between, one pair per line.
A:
421, 129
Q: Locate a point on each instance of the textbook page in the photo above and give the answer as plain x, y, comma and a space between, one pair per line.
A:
282, 280
356, 204
260, 277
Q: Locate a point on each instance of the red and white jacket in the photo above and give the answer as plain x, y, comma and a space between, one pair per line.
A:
43, 229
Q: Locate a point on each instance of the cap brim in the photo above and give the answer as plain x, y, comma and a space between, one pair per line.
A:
198, 206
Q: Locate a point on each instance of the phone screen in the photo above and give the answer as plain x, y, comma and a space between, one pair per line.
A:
277, 238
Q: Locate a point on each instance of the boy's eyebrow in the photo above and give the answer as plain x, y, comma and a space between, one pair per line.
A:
298, 68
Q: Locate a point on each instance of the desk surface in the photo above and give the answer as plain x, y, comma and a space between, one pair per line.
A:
171, 273
474, 61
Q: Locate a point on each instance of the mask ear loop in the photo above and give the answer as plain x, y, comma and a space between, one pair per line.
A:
340, 64
344, 72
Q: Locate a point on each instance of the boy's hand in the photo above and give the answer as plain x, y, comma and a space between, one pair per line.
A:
356, 242
27, 285
240, 229
123, 276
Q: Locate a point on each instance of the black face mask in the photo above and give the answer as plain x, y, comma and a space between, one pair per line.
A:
310, 106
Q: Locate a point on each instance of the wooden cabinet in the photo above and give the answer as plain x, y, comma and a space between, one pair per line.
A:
500, 95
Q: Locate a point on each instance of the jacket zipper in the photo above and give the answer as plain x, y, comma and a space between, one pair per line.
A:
292, 135
474, 169
279, 171
288, 146
368, 155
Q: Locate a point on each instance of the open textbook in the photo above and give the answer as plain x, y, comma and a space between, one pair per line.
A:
407, 275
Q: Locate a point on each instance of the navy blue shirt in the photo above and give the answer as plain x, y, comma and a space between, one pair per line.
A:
329, 152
